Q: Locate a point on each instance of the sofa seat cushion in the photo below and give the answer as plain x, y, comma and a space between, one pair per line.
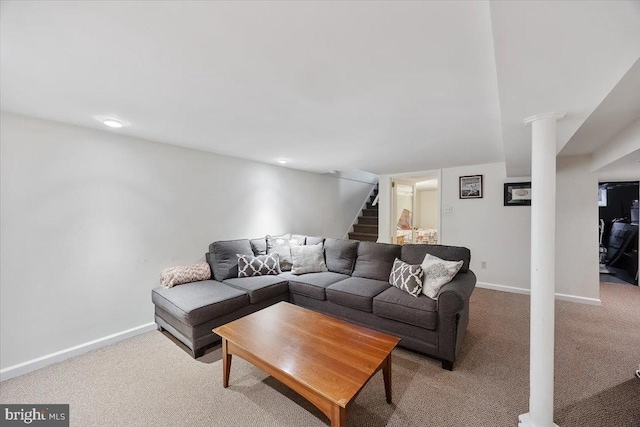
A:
356, 292
198, 302
396, 304
312, 285
260, 288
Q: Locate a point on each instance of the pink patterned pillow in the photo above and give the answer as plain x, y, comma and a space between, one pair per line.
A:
185, 274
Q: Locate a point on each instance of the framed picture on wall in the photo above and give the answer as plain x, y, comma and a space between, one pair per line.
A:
517, 194
471, 187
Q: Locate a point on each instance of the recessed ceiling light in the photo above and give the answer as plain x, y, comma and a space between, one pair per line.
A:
283, 161
112, 123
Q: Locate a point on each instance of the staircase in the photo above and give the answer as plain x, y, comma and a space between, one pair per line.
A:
366, 228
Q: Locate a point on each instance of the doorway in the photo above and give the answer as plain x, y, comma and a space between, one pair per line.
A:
415, 208
618, 212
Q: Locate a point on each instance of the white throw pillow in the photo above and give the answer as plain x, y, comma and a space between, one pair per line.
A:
308, 259
437, 273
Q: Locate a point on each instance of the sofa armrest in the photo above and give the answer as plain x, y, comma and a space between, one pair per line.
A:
453, 314
455, 294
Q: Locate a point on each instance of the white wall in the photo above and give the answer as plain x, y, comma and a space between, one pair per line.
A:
429, 207
497, 234
577, 271
501, 235
89, 219
384, 210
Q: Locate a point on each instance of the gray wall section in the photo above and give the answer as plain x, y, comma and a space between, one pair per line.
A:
90, 218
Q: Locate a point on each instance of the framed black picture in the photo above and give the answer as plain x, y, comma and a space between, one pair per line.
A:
471, 187
517, 194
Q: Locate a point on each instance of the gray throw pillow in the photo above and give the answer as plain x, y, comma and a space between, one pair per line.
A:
280, 245
308, 259
261, 265
406, 277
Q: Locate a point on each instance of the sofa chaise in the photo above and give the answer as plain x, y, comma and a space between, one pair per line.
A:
355, 288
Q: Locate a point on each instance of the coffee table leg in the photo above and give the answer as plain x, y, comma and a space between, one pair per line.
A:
386, 372
226, 364
338, 416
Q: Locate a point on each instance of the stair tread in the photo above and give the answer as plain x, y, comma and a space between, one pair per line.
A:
366, 227
363, 237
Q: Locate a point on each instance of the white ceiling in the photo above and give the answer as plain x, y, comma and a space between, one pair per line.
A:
626, 168
386, 87
617, 111
558, 56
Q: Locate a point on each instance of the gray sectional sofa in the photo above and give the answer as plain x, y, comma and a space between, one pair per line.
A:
356, 288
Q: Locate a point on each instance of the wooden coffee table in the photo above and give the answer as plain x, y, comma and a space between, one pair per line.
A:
325, 360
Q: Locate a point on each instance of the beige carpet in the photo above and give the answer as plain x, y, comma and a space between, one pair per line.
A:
149, 380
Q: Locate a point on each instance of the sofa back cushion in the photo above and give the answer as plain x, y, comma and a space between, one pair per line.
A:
223, 257
259, 246
298, 239
313, 240
340, 255
414, 254
375, 260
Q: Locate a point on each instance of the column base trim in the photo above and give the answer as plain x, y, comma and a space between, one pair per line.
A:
524, 420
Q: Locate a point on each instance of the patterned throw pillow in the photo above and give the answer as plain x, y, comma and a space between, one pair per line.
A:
280, 245
172, 276
261, 265
437, 273
406, 277
308, 259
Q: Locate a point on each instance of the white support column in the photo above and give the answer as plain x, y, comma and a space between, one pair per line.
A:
543, 232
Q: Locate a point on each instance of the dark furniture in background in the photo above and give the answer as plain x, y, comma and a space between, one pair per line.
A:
621, 227
622, 248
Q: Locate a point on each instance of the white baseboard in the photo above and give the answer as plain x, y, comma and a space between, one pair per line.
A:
563, 297
503, 288
58, 356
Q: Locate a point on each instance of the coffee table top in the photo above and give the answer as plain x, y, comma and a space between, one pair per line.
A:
330, 356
